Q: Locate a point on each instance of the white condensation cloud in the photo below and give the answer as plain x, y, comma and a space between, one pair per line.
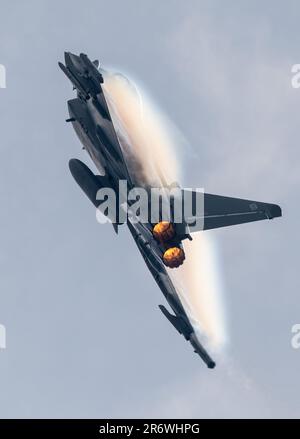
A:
148, 138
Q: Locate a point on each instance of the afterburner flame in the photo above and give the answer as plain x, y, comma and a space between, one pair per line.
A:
173, 257
163, 231
151, 145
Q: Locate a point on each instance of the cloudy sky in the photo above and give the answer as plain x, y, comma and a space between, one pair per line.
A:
84, 335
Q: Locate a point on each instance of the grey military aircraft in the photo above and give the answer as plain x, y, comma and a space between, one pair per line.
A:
160, 243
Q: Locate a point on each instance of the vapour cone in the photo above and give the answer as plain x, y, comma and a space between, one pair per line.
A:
151, 146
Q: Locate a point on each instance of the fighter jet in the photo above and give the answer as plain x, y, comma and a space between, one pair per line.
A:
159, 242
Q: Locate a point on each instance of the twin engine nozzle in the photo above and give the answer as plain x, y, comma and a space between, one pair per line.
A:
164, 232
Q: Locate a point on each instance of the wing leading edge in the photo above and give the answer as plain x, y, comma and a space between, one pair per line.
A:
220, 211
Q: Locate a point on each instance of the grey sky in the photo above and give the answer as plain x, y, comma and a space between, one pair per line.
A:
85, 337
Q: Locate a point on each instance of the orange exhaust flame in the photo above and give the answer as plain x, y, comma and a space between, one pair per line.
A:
163, 231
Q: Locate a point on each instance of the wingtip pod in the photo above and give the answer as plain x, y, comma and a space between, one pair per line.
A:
275, 211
